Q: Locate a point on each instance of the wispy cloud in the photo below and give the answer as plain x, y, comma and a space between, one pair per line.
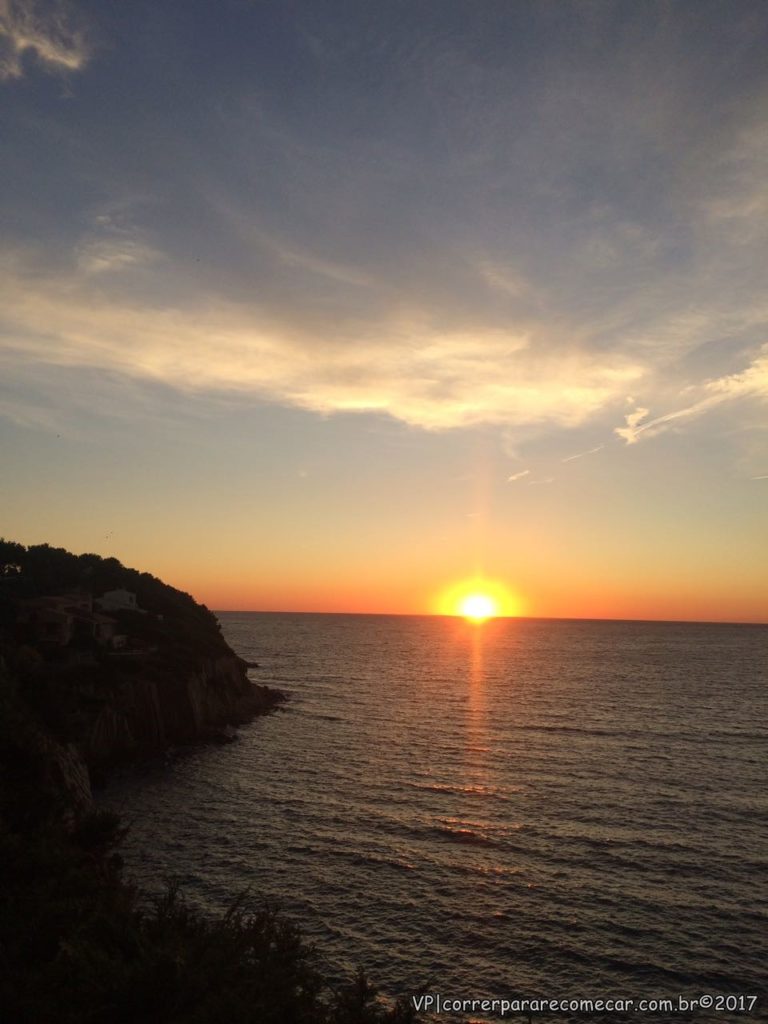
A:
49, 29
490, 244
103, 256
751, 382
410, 367
518, 476
633, 419
580, 455
738, 205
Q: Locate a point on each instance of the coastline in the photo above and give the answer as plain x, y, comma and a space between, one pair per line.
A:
77, 941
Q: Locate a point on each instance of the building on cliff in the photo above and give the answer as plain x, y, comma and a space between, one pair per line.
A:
118, 601
61, 619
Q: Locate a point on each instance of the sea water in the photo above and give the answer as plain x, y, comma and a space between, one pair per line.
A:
531, 807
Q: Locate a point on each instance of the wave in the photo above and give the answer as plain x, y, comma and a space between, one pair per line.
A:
463, 835
638, 786
456, 789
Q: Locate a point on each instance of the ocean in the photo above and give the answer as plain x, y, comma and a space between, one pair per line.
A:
537, 808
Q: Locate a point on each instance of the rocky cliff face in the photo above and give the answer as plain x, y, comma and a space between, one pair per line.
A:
143, 709
148, 713
71, 704
65, 779
41, 778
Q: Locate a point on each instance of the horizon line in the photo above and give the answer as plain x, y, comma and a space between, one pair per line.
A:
507, 618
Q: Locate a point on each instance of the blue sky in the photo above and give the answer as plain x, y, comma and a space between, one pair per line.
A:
515, 250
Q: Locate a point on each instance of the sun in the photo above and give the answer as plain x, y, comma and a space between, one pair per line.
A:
478, 607
478, 600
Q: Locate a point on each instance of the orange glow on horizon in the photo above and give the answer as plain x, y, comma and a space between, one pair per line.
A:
478, 599
572, 598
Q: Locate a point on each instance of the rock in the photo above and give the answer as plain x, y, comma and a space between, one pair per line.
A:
155, 710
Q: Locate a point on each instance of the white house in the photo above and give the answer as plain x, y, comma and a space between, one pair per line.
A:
59, 619
118, 600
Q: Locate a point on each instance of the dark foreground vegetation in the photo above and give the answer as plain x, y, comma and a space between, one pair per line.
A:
78, 944
76, 947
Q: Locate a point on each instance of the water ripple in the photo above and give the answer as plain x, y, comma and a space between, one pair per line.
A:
575, 807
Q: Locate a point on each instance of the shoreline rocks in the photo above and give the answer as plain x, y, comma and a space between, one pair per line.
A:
158, 710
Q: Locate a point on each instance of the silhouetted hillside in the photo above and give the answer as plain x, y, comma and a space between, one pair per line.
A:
77, 946
41, 570
113, 662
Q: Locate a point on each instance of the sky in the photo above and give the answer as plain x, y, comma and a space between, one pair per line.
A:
327, 305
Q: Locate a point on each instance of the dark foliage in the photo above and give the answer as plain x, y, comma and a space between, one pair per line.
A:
42, 570
168, 640
77, 945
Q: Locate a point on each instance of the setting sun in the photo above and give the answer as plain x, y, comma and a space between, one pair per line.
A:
478, 607
478, 599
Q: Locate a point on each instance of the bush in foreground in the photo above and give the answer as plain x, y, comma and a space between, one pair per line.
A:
77, 947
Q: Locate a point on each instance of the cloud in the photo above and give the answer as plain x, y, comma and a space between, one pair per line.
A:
738, 204
518, 476
478, 240
580, 455
294, 257
100, 256
634, 418
503, 279
751, 382
407, 365
50, 30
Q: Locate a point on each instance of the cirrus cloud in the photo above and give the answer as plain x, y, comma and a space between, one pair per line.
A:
49, 30
752, 382
407, 366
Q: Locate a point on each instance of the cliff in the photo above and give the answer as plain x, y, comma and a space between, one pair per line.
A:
99, 663
153, 709
42, 780
102, 664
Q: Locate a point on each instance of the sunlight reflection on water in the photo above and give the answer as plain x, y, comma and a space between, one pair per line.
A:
520, 807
